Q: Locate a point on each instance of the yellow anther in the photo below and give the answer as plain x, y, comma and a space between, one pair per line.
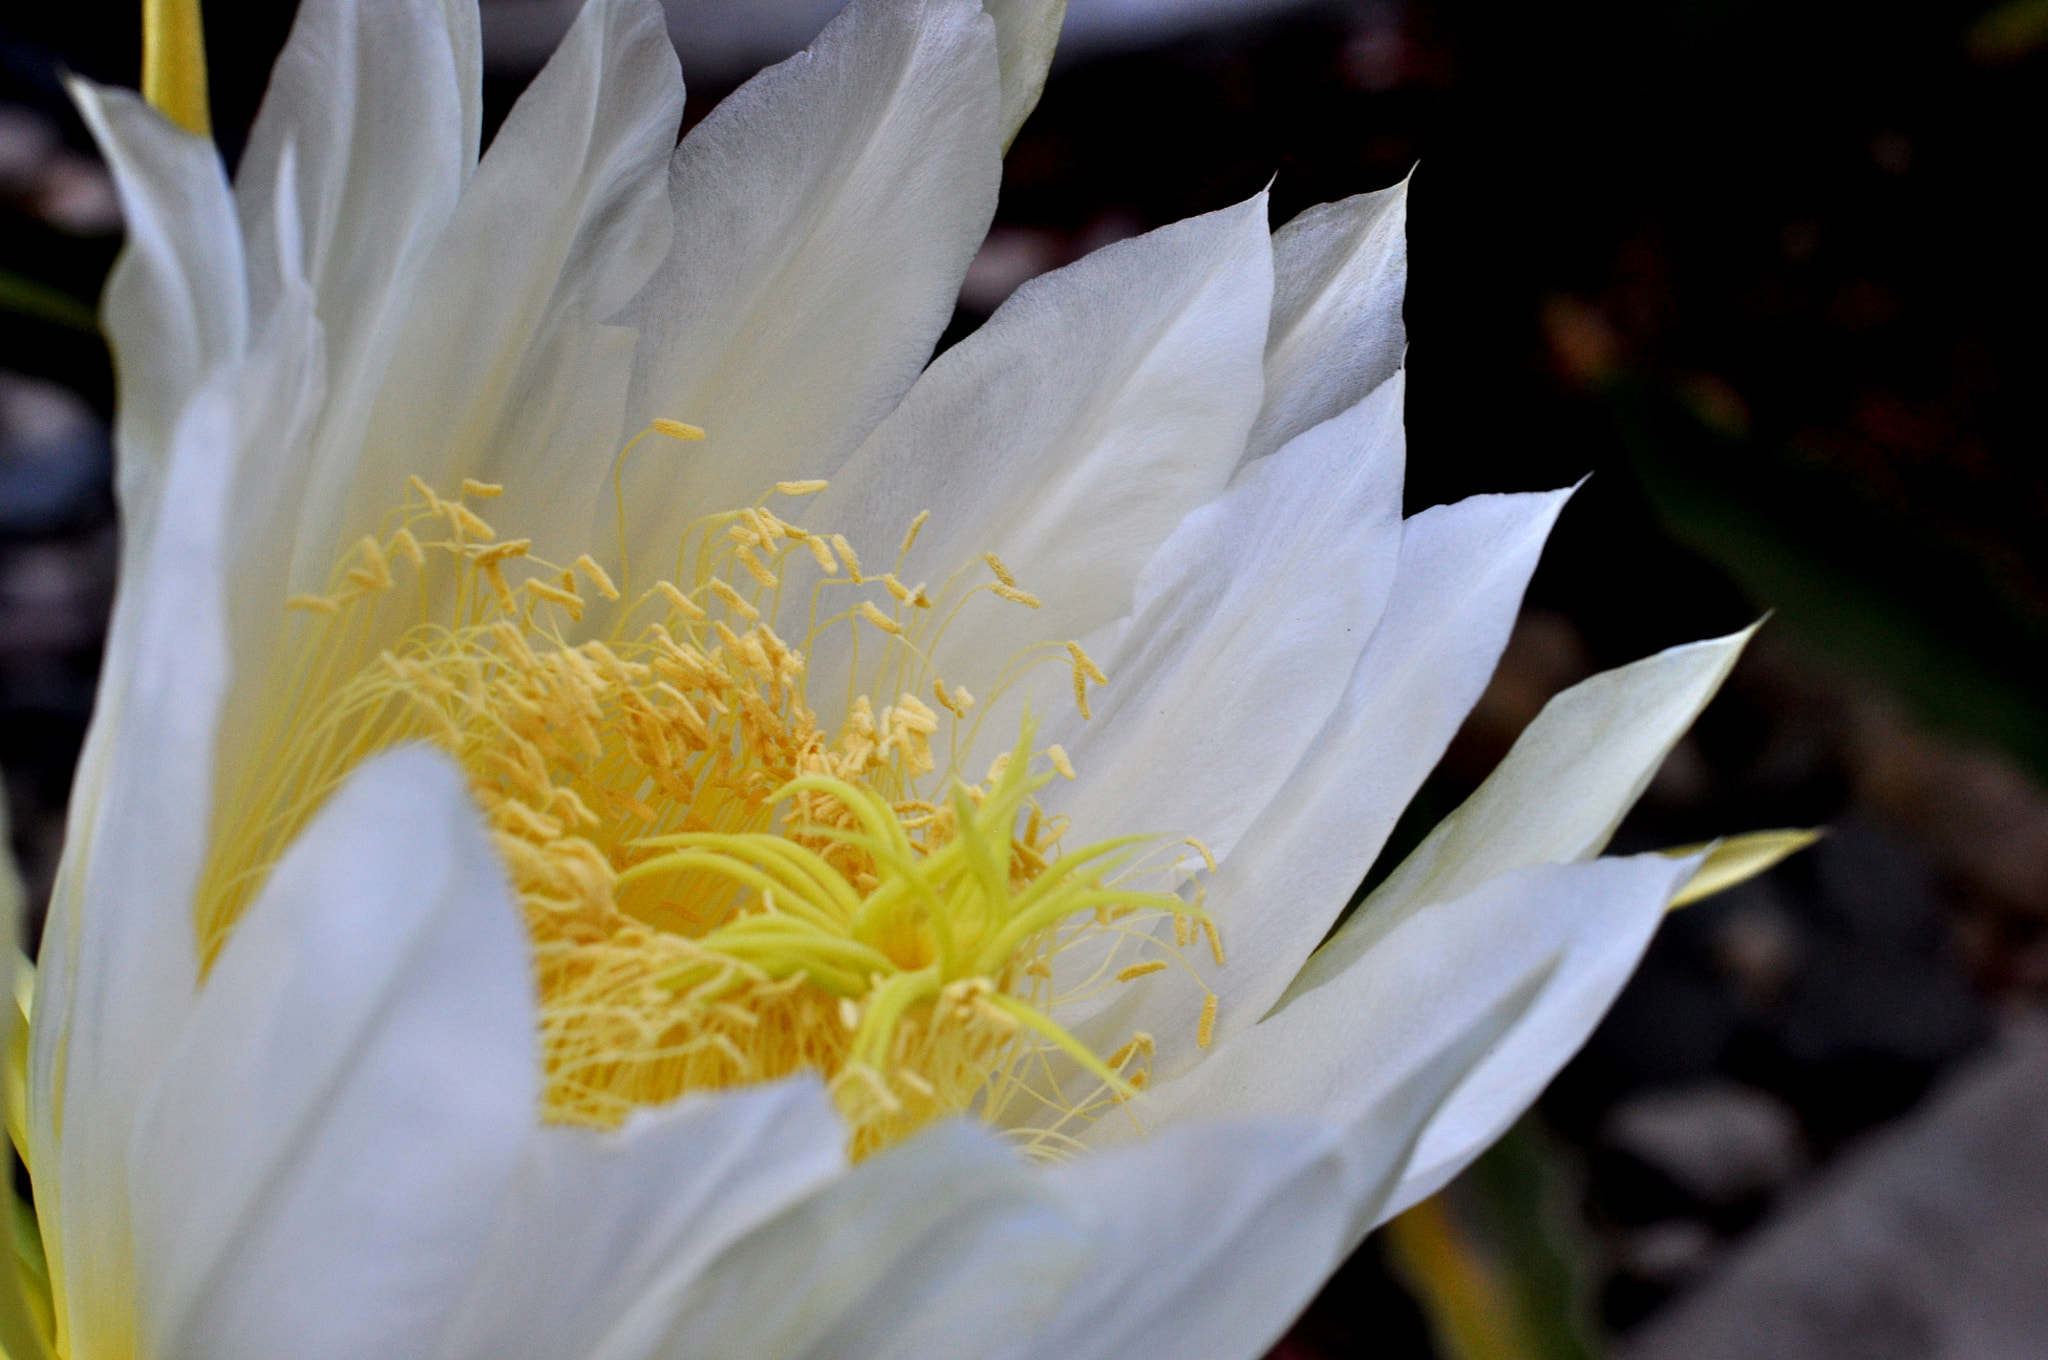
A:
1138, 970
1084, 663
1215, 940
822, 551
1140, 1042
486, 491
1012, 593
314, 604
995, 564
676, 429
683, 604
1058, 756
809, 486
848, 556
598, 576
755, 568
882, 621
465, 521
733, 600
484, 554
425, 493
568, 600
910, 538
1206, 1029
1203, 850
717, 891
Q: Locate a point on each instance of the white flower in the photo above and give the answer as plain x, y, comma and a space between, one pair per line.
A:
284, 1093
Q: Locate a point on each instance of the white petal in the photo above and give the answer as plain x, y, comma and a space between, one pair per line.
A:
367, 134
1205, 1240
1521, 969
506, 370
1249, 621
1566, 784
824, 216
1339, 271
320, 1160
943, 1246
1027, 31
118, 961
1073, 432
1456, 590
1625, 912
601, 1232
174, 305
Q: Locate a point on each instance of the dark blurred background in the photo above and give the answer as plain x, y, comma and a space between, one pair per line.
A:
1774, 274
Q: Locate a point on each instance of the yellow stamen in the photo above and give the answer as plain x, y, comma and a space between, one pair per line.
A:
717, 890
676, 429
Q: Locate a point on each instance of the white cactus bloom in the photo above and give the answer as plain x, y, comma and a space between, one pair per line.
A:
483, 935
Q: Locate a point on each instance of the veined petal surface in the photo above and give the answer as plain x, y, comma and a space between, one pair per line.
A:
367, 134
824, 216
1074, 431
946, 1245
118, 965
600, 1234
321, 1157
175, 305
1457, 585
1339, 272
507, 369
1527, 963
1558, 794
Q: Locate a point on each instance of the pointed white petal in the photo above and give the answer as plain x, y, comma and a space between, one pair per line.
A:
320, 1160
1205, 1240
506, 369
943, 1246
366, 135
118, 962
1626, 908
1027, 31
1249, 622
1524, 966
824, 216
1457, 586
1339, 271
1570, 778
602, 1232
174, 306
1071, 434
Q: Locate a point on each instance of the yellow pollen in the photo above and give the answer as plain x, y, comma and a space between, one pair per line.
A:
879, 619
719, 891
676, 429
910, 537
481, 490
598, 576
808, 487
1206, 1030
995, 564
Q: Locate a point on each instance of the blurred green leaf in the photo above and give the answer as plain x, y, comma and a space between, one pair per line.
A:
25, 297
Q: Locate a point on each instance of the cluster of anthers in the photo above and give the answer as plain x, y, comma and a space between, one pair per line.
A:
717, 892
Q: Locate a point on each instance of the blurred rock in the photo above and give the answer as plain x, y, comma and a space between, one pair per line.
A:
1717, 1140
1667, 1252
55, 459
1930, 1240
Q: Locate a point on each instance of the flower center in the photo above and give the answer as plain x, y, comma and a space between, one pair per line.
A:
718, 891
